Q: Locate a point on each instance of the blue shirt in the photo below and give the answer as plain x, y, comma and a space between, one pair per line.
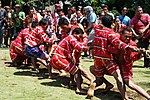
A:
92, 19
124, 20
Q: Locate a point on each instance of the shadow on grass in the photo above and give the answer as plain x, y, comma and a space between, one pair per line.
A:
25, 73
147, 72
110, 95
136, 66
60, 81
22, 66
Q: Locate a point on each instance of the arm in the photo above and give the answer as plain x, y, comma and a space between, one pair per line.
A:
117, 43
78, 46
137, 36
89, 27
44, 37
92, 20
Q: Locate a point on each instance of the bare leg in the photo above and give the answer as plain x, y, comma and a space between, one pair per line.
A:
120, 84
108, 85
49, 68
137, 88
33, 60
86, 75
72, 82
78, 82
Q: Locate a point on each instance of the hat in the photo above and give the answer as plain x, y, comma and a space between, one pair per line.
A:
17, 6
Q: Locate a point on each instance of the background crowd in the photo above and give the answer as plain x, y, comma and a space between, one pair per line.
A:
79, 29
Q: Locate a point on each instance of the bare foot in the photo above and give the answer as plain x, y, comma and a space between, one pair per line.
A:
35, 69
72, 84
107, 88
90, 92
82, 92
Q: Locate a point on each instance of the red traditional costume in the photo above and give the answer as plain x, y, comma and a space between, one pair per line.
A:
103, 60
62, 55
128, 59
17, 46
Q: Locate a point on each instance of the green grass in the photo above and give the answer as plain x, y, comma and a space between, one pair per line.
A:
22, 84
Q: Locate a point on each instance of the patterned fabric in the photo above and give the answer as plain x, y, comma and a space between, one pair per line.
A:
64, 52
17, 46
37, 37
140, 23
129, 58
60, 63
104, 66
104, 37
36, 52
67, 45
103, 60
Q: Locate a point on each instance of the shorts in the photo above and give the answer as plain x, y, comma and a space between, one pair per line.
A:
16, 55
126, 72
103, 66
91, 37
36, 52
60, 63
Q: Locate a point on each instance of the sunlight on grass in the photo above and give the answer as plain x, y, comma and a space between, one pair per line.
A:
23, 84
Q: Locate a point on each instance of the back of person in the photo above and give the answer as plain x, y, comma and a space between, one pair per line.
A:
101, 42
65, 47
34, 37
19, 41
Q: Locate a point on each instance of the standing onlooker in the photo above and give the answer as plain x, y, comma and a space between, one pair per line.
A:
141, 23
82, 19
18, 17
118, 26
106, 11
92, 20
9, 27
2, 24
123, 17
31, 17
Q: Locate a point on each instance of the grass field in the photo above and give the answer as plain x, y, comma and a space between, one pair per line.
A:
20, 83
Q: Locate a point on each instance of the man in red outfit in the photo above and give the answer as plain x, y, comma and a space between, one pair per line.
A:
141, 24
17, 46
63, 59
103, 60
125, 60
37, 37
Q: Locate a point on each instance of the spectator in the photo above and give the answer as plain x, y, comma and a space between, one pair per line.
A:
18, 17
82, 19
118, 26
141, 23
2, 24
123, 17
92, 20
31, 17
9, 27
106, 11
